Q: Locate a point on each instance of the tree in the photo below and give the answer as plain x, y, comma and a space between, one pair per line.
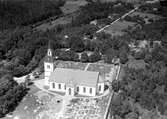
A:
108, 59
19, 71
99, 10
147, 102
10, 94
139, 55
68, 55
132, 115
164, 41
84, 57
94, 57
18, 13
115, 109
27, 80
6, 82
77, 44
148, 58
123, 57
110, 54
115, 85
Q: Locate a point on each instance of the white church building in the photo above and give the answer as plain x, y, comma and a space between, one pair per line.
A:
71, 81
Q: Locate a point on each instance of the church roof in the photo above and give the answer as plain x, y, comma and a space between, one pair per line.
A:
79, 77
71, 83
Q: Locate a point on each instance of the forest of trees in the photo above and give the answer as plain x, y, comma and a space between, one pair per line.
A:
20, 13
24, 49
11, 93
147, 86
99, 10
21, 50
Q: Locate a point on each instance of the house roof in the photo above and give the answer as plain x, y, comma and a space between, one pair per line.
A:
80, 77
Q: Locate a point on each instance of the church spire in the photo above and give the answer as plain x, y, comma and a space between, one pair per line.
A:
49, 53
49, 45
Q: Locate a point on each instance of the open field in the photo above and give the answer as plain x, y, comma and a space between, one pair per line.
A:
136, 64
72, 6
49, 25
146, 16
118, 27
102, 68
71, 65
69, 7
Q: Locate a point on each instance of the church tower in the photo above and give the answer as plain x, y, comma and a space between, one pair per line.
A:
48, 65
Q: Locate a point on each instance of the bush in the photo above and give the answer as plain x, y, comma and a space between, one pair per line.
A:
16, 13
139, 55
10, 94
151, 20
108, 59
68, 55
19, 71
94, 57
123, 57
77, 44
99, 10
84, 57
148, 58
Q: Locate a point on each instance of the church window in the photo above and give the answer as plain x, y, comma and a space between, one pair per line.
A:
84, 89
99, 87
59, 86
53, 85
90, 90
48, 66
77, 89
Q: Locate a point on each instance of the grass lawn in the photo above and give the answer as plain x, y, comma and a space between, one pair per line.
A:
136, 64
71, 65
118, 27
146, 15
72, 6
102, 68
61, 20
